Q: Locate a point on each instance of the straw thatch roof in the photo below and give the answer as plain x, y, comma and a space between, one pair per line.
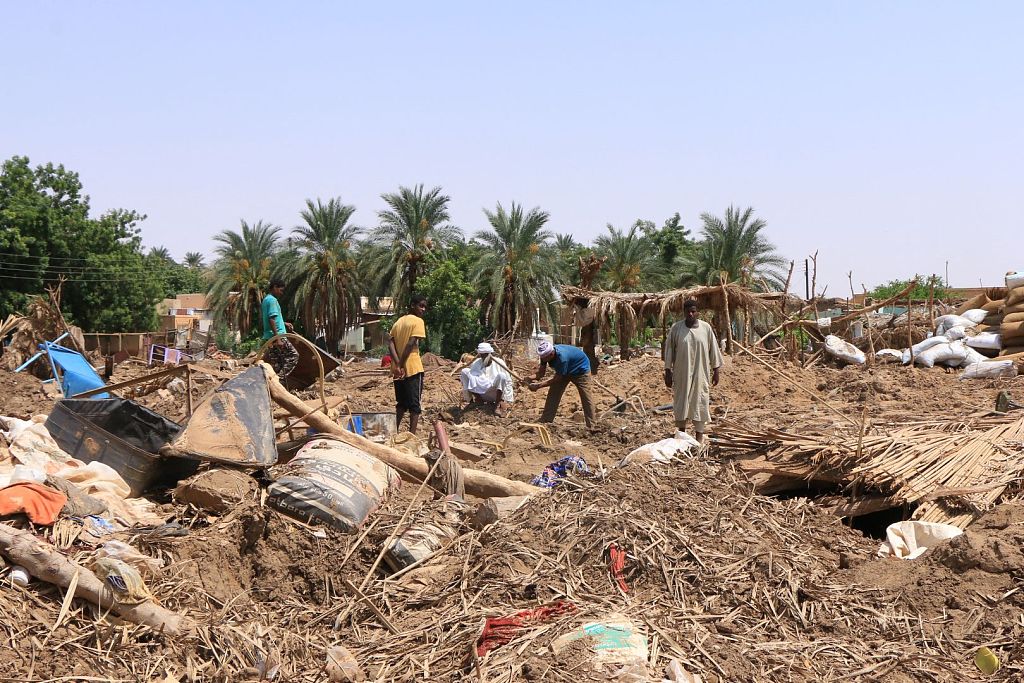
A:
660, 304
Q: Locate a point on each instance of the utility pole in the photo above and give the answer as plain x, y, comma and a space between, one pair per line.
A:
807, 281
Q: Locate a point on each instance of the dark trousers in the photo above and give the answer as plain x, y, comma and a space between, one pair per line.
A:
283, 357
584, 384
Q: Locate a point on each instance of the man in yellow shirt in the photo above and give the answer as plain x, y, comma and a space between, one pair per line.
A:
406, 366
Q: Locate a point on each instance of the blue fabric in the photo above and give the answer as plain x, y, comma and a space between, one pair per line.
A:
569, 361
560, 469
268, 309
76, 375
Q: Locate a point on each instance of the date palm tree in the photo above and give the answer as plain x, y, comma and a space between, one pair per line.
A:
322, 270
244, 266
632, 263
518, 268
736, 248
194, 259
414, 226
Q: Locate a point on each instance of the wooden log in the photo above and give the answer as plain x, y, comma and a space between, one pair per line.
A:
466, 452
481, 484
46, 563
842, 506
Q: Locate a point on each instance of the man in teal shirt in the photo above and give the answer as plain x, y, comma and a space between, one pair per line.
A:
281, 355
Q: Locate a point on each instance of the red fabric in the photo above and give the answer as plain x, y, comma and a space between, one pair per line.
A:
41, 503
616, 564
500, 630
385, 362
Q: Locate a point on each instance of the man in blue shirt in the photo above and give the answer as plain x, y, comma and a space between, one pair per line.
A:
570, 365
281, 355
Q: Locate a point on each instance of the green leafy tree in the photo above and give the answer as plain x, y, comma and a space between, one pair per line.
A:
451, 320
322, 270
632, 264
569, 253
244, 266
46, 235
517, 267
414, 226
734, 247
920, 291
671, 241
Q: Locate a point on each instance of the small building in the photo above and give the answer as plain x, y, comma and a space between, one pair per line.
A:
368, 335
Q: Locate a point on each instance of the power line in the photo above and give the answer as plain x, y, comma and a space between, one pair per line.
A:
76, 270
77, 259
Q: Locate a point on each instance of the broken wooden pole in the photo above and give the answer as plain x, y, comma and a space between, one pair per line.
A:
481, 484
46, 563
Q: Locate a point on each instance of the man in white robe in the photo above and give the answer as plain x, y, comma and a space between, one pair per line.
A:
692, 362
487, 380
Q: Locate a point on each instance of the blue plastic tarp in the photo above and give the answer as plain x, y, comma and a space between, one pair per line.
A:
73, 371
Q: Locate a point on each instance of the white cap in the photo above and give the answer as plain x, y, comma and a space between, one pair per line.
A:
484, 347
544, 348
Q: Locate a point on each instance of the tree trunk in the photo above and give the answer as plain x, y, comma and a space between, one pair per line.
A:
482, 484
46, 563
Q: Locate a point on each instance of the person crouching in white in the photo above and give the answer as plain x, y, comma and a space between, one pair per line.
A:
487, 380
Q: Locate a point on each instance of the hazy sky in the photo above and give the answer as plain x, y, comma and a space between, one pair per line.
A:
887, 135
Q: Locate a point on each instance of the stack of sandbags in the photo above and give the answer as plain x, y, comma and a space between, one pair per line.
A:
1011, 328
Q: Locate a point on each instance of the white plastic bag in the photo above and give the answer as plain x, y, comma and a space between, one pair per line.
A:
843, 350
975, 315
985, 340
909, 540
992, 369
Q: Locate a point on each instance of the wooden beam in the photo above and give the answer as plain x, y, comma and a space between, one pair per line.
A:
177, 370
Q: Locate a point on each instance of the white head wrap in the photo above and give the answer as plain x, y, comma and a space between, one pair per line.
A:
484, 347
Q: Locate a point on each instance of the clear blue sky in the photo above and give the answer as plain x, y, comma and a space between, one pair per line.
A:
888, 136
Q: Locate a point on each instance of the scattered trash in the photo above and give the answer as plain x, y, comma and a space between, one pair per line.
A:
119, 550
675, 673
986, 661
614, 640
559, 470
124, 580
615, 557
421, 539
909, 540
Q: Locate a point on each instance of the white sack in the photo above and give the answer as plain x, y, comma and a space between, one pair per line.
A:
909, 540
922, 346
843, 350
975, 315
1015, 279
972, 356
956, 332
944, 322
993, 369
942, 353
664, 451
985, 340
893, 353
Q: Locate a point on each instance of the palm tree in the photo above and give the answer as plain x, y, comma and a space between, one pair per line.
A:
518, 268
160, 253
734, 248
632, 262
194, 259
322, 269
414, 226
565, 243
242, 270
